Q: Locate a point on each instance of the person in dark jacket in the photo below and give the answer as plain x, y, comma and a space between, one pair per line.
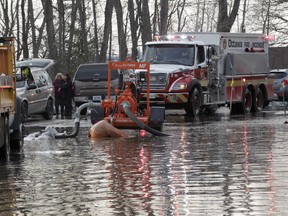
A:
57, 83
67, 95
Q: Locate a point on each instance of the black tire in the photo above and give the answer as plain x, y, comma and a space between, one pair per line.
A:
193, 105
5, 149
247, 101
245, 106
258, 102
48, 115
24, 112
236, 109
18, 139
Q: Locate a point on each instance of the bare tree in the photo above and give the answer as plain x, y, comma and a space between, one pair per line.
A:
197, 16
32, 27
8, 23
134, 27
61, 30
121, 34
226, 21
155, 19
48, 14
83, 51
107, 30
180, 19
145, 23
24, 35
164, 17
243, 17
96, 38
71, 35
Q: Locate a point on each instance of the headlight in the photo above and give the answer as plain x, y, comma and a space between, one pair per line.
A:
179, 86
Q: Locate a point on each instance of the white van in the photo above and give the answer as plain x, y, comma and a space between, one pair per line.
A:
37, 94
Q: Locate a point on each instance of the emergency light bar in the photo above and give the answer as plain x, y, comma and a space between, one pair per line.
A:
269, 37
172, 37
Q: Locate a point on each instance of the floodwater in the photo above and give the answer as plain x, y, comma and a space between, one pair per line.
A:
216, 165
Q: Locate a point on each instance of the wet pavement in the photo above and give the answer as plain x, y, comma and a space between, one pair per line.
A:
212, 165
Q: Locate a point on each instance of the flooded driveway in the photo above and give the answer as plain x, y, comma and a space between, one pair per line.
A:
216, 165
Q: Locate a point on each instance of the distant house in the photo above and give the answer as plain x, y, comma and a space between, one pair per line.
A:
278, 57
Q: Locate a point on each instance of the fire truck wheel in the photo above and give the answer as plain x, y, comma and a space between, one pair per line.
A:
243, 107
247, 101
258, 101
193, 105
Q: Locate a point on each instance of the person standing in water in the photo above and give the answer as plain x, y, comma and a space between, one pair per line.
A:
67, 95
57, 83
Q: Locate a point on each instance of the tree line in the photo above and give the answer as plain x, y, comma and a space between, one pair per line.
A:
81, 31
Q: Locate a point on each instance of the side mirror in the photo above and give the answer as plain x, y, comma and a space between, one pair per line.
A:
209, 52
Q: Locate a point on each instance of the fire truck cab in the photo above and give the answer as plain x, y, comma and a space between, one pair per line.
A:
202, 71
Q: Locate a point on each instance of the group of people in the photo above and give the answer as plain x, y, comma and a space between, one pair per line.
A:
63, 89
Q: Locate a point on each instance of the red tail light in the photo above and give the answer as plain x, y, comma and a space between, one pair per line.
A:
285, 82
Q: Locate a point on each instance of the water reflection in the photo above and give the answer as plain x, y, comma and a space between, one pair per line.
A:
231, 166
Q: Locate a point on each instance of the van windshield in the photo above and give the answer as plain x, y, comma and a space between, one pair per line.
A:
94, 72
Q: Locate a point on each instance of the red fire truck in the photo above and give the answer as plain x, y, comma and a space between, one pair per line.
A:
202, 71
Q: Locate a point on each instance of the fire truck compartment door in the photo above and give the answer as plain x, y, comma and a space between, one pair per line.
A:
246, 63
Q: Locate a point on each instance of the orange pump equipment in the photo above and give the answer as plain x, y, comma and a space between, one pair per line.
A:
124, 109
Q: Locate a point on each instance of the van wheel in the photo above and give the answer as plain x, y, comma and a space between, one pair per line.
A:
24, 112
48, 115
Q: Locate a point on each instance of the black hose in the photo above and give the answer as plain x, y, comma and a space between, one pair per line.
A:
126, 108
76, 128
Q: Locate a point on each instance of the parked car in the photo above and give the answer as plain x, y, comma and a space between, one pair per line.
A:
280, 84
36, 92
90, 83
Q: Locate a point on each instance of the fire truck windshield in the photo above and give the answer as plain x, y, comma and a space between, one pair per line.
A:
170, 54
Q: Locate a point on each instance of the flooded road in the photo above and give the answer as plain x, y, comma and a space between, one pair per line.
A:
216, 165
